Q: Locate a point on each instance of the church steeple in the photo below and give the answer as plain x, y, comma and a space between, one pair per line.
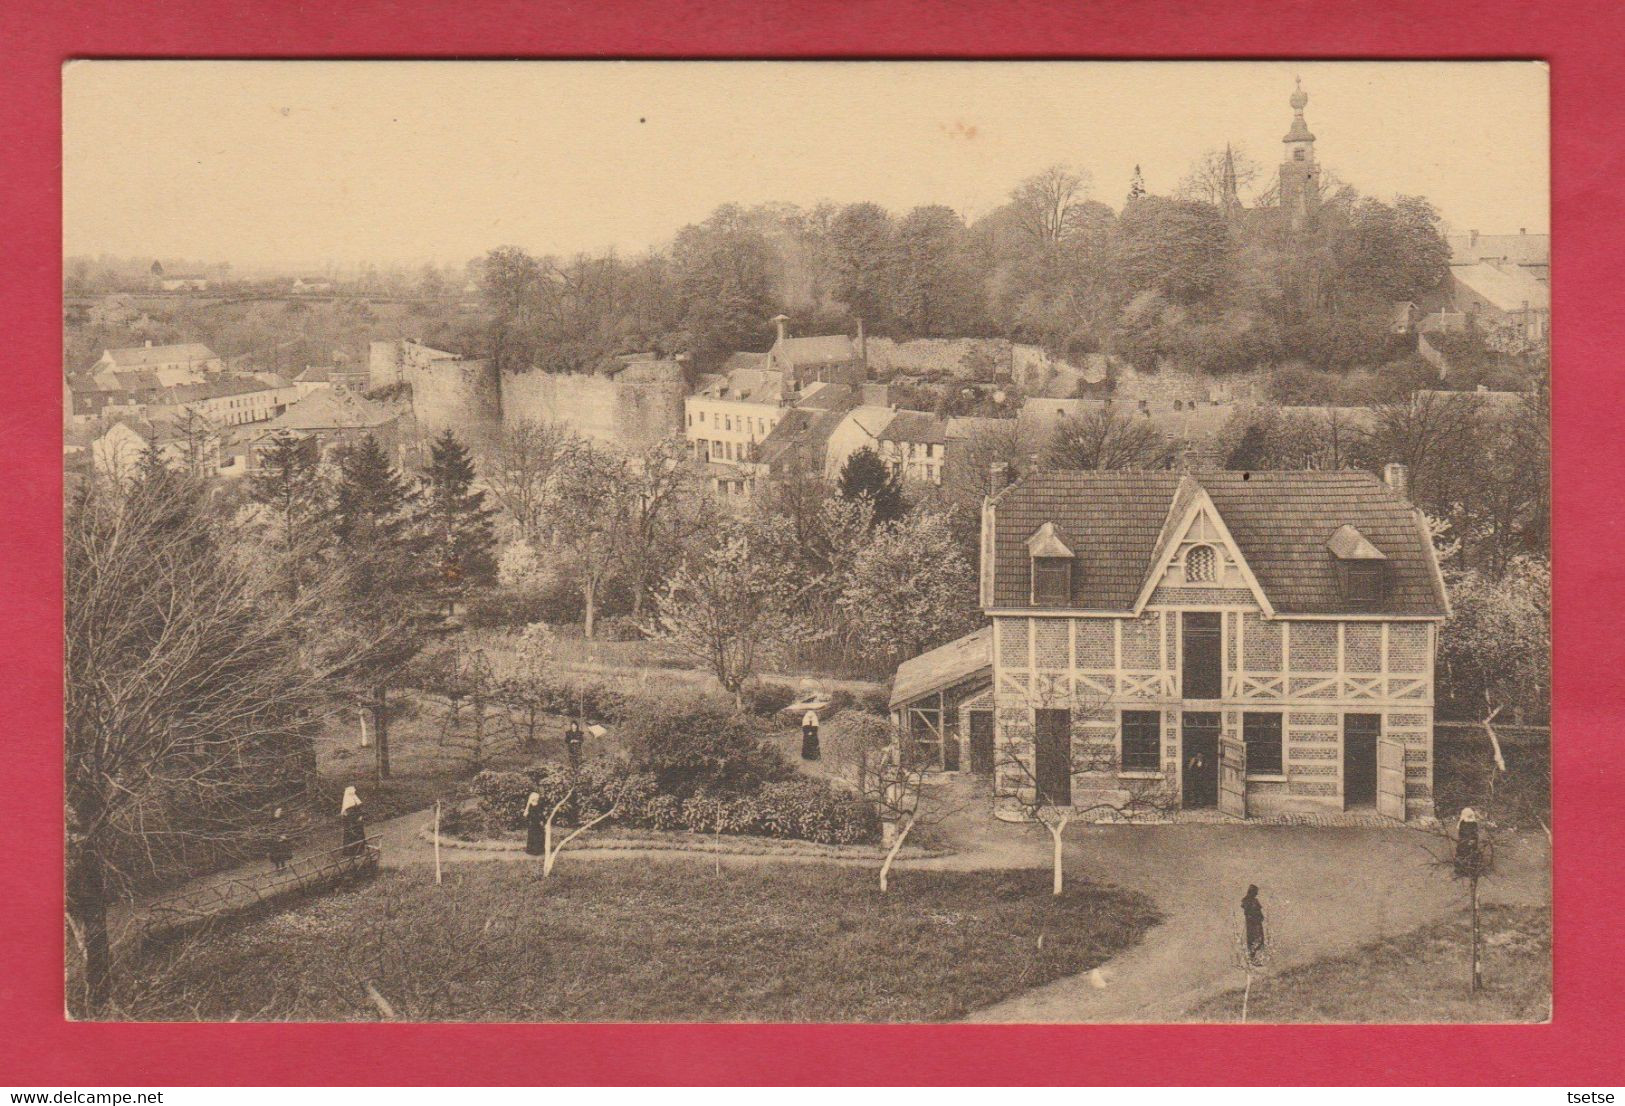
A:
1229, 194
1300, 175
1136, 187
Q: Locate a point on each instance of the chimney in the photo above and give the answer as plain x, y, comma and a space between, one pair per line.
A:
1523, 230
1397, 477
998, 477
779, 321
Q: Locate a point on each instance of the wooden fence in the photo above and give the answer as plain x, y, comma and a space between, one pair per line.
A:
234, 896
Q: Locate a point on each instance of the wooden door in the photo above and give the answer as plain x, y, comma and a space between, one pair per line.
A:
1360, 735
1391, 779
1233, 777
1053, 756
981, 742
1201, 669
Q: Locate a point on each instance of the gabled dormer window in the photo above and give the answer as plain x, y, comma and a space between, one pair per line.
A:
1362, 568
1052, 564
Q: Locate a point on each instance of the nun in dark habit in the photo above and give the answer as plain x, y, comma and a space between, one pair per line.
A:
1252, 911
535, 832
354, 824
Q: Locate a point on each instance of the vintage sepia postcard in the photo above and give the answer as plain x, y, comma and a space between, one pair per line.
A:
1040, 542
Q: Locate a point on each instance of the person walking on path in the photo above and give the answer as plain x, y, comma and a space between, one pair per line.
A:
809, 735
535, 832
1252, 912
573, 737
280, 850
354, 841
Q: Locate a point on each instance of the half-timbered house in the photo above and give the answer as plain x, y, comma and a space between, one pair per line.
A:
1257, 642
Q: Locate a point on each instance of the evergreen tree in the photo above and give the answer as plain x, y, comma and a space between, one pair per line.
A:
459, 525
865, 476
380, 544
290, 486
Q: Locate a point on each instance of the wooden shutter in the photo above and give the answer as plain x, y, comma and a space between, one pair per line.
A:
1391, 779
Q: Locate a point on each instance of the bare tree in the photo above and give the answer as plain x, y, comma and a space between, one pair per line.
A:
1218, 175
728, 607
191, 692
550, 850
518, 468
666, 508
590, 499
899, 789
1046, 204
1092, 755
1105, 439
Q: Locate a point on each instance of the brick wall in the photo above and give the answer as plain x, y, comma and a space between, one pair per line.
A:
1314, 646
1141, 642
1013, 652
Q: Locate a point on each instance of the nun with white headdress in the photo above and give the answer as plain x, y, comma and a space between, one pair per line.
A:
1467, 842
353, 822
535, 833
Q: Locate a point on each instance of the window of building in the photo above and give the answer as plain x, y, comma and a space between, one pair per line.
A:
1202, 655
1364, 581
1142, 740
1201, 565
727, 422
1052, 581
1298, 155
1262, 734
691, 419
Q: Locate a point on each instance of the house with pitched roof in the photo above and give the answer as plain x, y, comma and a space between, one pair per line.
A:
334, 417
1260, 643
183, 363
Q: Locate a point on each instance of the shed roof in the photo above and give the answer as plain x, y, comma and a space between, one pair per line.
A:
944, 666
1281, 523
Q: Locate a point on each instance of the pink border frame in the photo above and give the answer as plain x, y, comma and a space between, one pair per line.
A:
1581, 1045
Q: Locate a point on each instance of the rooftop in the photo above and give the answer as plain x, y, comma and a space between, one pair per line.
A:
142, 357
944, 666
332, 409
1507, 286
825, 349
1281, 522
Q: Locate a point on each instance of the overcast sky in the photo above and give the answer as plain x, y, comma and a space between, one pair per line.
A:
302, 163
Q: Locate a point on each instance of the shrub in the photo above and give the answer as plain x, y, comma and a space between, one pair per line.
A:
619, 627
767, 699
698, 746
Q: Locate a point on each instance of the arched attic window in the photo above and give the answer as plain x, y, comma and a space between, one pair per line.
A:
1201, 565
1362, 568
1052, 563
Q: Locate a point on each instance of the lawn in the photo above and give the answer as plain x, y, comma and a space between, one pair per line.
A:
640, 940
1419, 976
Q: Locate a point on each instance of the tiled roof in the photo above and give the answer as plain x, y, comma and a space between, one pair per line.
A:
1281, 522
915, 426
825, 349
139, 357
1520, 249
737, 361
315, 374
829, 397
944, 666
744, 386
330, 409
803, 426
1508, 287
211, 389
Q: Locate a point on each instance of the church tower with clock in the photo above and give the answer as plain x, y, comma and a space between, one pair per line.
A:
1300, 175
